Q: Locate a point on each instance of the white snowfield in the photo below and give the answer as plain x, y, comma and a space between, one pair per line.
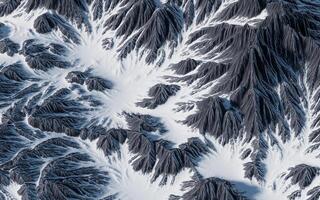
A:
159, 99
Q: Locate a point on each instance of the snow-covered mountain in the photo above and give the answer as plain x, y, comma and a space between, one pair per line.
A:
150, 99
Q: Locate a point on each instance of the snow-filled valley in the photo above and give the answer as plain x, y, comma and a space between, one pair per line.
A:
159, 99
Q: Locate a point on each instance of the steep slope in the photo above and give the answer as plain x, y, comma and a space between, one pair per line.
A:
186, 99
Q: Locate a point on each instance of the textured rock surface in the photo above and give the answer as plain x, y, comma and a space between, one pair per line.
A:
159, 99
159, 94
212, 188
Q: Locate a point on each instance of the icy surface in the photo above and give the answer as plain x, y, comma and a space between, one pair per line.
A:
159, 99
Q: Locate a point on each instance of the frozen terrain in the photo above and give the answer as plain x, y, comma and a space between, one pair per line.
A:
160, 99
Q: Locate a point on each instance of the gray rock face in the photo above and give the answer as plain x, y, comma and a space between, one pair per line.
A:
58, 114
169, 18
206, 73
216, 117
49, 22
8, 6
159, 94
302, 174
110, 141
212, 189
205, 8
53, 177
38, 57
144, 123
9, 47
314, 193
173, 160
150, 148
76, 77
97, 83
45, 23
15, 72
246, 78
74, 9
185, 66
241, 9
